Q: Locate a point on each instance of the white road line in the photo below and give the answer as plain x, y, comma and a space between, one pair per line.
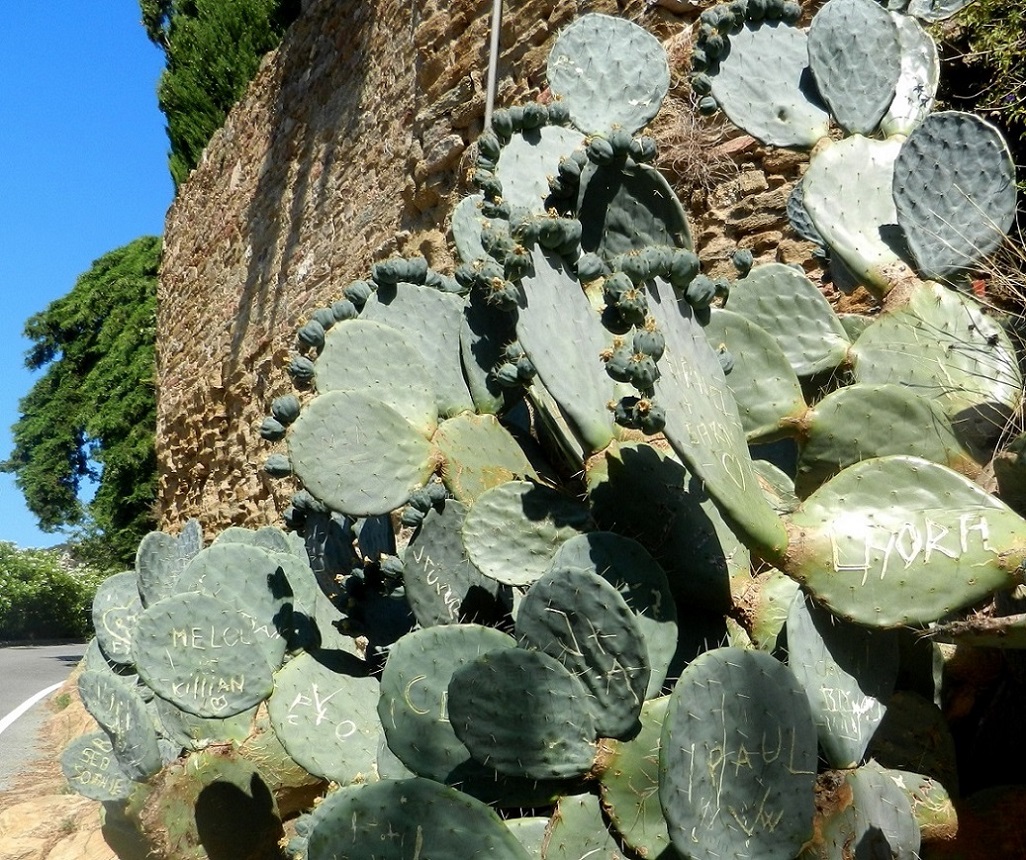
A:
5, 723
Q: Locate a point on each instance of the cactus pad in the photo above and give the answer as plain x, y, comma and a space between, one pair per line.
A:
523, 714
943, 346
357, 454
116, 608
363, 354
323, 712
763, 85
900, 541
847, 192
768, 394
123, 715
430, 321
848, 673
413, 706
513, 530
737, 759
580, 619
920, 75
954, 189
843, 34
93, 770
610, 73
202, 654
570, 368
406, 818
627, 566
703, 425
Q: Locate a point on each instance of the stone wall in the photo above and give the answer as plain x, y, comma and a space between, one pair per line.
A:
352, 144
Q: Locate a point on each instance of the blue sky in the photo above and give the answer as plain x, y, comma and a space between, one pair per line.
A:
83, 170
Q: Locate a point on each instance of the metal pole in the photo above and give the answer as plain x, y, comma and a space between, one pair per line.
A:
493, 61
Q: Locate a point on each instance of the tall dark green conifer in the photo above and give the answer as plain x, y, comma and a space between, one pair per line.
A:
92, 414
213, 49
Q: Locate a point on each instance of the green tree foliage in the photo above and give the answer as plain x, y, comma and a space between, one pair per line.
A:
41, 597
213, 49
92, 414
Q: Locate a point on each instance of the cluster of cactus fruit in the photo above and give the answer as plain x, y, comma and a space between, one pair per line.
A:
601, 464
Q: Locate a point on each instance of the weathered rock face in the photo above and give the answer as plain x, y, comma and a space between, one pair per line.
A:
352, 144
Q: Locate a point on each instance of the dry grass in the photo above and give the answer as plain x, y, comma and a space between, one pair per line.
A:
688, 146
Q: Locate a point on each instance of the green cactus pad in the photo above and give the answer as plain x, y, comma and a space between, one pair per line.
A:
944, 347
767, 605
202, 654
485, 331
862, 421
702, 422
527, 162
786, 304
123, 715
479, 453
768, 394
529, 832
637, 577
776, 485
467, 222
901, 541
842, 35
213, 803
954, 190
577, 831
161, 558
442, 584
408, 818
763, 85
357, 454
848, 195
190, 732
848, 673
252, 580
689, 538
920, 75
430, 321
370, 355
268, 538
571, 368
513, 530
868, 809
413, 706
93, 770
580, 619
931, 804
628, 208
737, 759
523, 714
323, 712
610, 73
629, 782
116, 608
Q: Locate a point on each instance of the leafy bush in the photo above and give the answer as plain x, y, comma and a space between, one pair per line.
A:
42, 597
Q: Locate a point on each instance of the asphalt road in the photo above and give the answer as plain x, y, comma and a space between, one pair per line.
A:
25, 671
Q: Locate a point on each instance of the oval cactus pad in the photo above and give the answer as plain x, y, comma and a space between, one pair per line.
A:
899, 540
737, 759
202, 654
323, 712
409, 818
609, 72
357, 454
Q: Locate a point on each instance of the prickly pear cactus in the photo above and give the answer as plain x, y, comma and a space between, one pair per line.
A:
539, 491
